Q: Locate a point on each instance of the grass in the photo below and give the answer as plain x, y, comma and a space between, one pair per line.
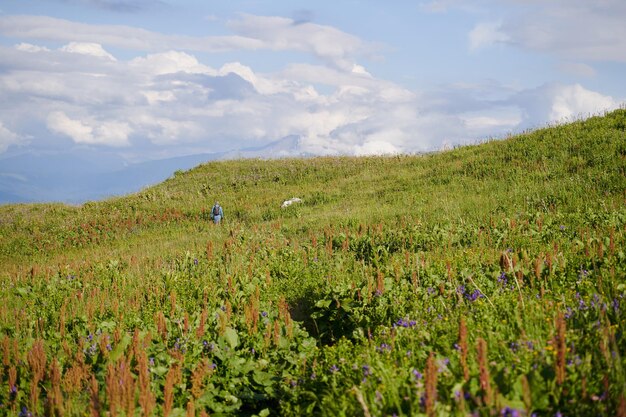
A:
488, 279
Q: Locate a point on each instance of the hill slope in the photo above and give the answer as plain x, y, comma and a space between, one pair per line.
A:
486, 278
570, 168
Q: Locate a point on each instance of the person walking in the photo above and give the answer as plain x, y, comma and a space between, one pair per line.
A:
217, 213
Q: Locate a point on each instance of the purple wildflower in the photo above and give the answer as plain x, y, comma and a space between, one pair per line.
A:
401, 323
25, 412
595, 300
509, 412
383, 348
474, 296
443, 364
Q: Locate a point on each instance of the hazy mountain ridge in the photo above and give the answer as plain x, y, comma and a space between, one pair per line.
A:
84, 176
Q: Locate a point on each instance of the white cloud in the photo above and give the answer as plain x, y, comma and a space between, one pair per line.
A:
173, 101
168, 63
328, 43
27, 47
374, 147
574, 101
578, 69
164, 131
487, 34
560, 103
8, 138
261, 84
87, 48
252, 33
91, 132
315, 74
167, 99
58, 122
492, 120
574, 30
127, 37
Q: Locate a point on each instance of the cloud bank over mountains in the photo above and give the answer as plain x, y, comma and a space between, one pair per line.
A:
146, 94
166, 97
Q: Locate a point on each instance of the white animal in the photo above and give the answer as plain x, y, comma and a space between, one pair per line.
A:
289, 202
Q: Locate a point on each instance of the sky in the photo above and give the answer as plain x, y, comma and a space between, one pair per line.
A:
146, 80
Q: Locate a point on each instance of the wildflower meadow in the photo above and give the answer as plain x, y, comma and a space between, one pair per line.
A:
486, 280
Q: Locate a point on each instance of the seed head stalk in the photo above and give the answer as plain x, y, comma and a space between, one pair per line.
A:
431, 385
560, 348
483, 364
463, 347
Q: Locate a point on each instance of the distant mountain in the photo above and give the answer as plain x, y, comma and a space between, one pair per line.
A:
288, 147
83, 175
78, 177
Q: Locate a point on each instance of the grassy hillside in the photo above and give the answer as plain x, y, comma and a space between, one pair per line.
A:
486, 279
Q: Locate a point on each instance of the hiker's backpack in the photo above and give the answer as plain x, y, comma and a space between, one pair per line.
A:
216, 210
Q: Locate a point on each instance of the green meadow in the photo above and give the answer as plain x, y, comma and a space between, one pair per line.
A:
486, 280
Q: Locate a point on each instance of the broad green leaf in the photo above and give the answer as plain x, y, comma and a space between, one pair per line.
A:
231, 337
120, 347
160, 370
